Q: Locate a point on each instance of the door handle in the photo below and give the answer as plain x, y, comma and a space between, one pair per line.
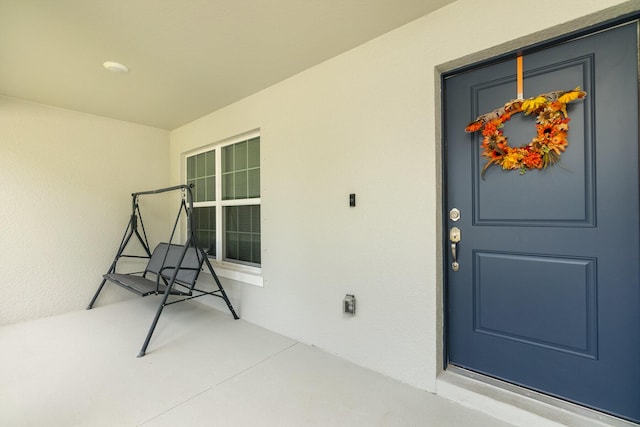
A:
454, 236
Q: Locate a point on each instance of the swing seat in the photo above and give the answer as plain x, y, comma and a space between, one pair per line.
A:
162, 264
172, 265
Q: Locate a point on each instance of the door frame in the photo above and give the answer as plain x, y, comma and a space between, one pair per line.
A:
537, 403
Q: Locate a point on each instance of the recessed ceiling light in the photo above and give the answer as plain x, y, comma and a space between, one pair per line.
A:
115, 67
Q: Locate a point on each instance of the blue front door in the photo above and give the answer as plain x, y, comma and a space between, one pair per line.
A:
547, 289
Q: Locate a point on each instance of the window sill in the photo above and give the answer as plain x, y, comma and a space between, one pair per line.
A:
239, 273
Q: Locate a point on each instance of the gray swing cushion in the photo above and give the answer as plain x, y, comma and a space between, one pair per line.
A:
164, 267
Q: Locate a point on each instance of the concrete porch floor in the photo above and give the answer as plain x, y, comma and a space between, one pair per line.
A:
202, 368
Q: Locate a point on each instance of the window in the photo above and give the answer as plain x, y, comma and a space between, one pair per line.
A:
226, 179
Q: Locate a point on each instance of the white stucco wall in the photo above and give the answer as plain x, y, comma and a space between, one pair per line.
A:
66, 181
366, 122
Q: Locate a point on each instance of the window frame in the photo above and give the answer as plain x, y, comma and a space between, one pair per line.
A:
239, 271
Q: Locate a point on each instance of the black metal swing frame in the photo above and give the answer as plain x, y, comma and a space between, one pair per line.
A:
173, 265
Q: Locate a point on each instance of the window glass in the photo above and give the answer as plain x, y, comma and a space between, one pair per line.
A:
237, 212
241, 170
243, 233
201, 172
205, 223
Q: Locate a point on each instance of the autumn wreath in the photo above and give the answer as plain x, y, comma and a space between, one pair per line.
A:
552, 125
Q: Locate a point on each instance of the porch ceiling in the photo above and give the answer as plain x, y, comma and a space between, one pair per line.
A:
186, 58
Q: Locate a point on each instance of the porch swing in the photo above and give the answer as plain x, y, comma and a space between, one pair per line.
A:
172, 269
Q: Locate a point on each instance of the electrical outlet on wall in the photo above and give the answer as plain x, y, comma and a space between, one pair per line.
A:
349, 305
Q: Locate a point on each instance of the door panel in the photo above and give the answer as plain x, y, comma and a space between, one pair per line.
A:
543, 321
547, 295
568, 203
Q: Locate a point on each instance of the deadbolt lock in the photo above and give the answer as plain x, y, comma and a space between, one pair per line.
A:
454, 214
